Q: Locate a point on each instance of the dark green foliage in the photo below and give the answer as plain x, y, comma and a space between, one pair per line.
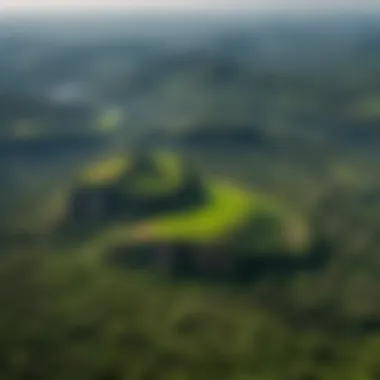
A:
282, 120
262, 234
120, 200
16, 106
225, 137
67, 320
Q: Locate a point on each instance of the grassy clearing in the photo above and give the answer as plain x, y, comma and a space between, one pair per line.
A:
104, 172
227, 207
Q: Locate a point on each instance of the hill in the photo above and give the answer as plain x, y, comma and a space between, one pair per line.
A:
158, 204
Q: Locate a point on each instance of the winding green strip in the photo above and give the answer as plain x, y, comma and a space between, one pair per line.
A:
228, 207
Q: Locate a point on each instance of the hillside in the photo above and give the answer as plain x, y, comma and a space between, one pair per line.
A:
125, 204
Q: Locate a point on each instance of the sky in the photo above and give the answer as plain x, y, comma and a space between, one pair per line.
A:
57, 5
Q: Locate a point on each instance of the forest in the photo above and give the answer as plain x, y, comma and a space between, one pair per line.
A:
190, 199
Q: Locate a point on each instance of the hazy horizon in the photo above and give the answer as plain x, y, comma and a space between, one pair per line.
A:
57, 6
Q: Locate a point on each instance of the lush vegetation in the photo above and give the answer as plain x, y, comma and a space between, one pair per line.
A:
73, 320
156, 198
227, 207
280, 124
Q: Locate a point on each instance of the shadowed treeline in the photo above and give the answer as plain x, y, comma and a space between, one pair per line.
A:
212, 262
